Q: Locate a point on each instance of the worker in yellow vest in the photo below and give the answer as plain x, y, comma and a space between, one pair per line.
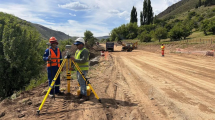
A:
162, 50
82, 60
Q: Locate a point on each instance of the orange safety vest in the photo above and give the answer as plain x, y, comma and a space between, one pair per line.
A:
162, 47
55, 60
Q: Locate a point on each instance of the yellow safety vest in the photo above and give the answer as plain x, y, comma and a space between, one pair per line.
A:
162, 47
83, 66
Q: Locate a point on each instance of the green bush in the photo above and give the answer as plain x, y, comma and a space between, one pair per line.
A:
176, 33
145, 37
21, 50
160, 33
63, 43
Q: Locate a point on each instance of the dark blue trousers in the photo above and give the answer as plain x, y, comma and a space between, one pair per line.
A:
51, 74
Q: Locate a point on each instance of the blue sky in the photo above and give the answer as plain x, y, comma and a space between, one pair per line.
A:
74, 17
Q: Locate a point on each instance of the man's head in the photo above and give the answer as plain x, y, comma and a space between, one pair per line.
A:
53, 42
162, 44
79, 42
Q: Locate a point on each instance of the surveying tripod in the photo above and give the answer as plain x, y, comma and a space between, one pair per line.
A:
68, 60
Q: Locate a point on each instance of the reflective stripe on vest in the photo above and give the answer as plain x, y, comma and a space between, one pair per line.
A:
83, 66
55, 60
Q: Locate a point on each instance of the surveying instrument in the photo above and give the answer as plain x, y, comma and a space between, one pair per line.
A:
68, 61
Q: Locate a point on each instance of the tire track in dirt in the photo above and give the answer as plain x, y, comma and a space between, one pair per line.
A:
121, 96
180, 72
168, 67
132, 91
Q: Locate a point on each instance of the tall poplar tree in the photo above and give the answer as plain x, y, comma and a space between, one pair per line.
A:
133, 18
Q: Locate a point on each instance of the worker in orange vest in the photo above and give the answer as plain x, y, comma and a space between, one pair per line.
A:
162, 50
53, 57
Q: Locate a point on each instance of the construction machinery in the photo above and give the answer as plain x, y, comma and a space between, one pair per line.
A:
110, 46
128, 46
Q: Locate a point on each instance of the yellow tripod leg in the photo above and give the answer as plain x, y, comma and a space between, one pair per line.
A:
68, 78
52, 84
79, 70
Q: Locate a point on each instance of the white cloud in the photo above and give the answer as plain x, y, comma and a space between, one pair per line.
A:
28, 15
72, 14
98, 16
76, 6
76, 28
124, 14
113, 11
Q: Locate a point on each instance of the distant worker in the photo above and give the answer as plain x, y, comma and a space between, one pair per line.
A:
162, 49
82, 60
53, 57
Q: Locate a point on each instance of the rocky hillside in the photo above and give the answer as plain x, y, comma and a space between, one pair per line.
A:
103, 37
46, 33
177, 8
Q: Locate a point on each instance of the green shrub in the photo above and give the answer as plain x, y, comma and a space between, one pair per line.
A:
145, 37
21, 50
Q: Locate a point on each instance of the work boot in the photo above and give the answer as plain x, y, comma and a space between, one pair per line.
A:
78, 97
84, 98
51, 95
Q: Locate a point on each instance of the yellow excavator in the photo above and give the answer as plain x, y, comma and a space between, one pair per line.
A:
128, 46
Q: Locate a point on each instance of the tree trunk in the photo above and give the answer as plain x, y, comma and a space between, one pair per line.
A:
205, 32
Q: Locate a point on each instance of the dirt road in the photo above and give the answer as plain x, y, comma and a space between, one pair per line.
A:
135, 85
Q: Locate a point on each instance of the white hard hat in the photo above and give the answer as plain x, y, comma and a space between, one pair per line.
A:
79, 41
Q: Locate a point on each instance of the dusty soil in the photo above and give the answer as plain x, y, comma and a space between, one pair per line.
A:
131, 85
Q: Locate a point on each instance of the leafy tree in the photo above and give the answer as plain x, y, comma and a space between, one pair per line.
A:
108, 39
20, 54
169, 26
185, 31
145, 12
132, 30
113, 35
150, 15
141, 18
89, 38
176, 32
191, 14
117, 39
211, 26
133, 18
88, 35
145, 37
205, 26
63, 43
160, 33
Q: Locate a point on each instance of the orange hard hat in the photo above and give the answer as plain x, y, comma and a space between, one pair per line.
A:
53, 40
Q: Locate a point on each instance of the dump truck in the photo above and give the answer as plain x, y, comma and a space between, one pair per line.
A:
110, 46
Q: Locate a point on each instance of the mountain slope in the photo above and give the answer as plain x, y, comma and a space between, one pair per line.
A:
102, 37
177, 8
46, 33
